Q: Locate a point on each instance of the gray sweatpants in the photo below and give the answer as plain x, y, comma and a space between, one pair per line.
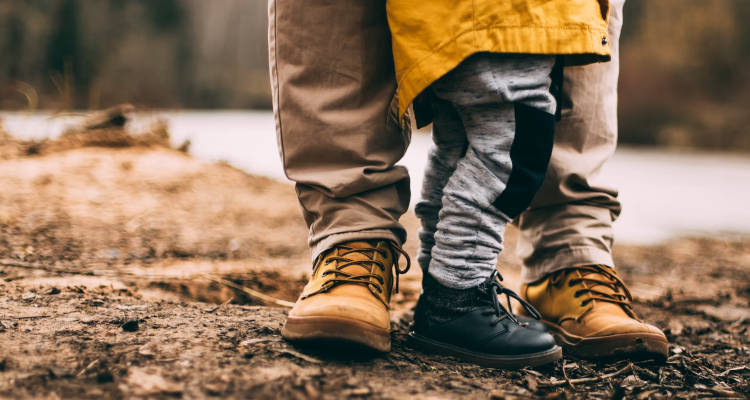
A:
493, 133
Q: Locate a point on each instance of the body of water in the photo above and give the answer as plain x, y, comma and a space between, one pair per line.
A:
665, 193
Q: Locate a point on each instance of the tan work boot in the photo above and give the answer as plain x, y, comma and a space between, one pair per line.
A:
588, 311
348, 295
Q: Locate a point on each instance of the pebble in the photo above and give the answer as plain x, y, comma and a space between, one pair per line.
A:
130, 326
52, 290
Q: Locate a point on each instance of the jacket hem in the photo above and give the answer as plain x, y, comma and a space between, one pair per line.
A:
588, 44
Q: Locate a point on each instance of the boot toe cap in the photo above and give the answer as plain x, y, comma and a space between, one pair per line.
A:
520, 340
615, 326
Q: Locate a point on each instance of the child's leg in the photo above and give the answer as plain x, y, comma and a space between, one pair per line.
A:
503, 106
507, 112
449, 145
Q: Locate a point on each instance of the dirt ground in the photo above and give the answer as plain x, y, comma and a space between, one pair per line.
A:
129, 269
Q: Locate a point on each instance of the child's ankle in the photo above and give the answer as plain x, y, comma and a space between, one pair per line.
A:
439, 304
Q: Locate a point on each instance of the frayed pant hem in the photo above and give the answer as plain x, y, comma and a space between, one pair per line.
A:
566, 259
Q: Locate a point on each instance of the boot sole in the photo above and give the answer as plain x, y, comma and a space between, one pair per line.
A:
622, 345
488, 360
332, 328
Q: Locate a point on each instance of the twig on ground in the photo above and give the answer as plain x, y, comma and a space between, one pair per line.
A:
301, 356
565, 374
723, 392
254, 293
644, 371
31, 317
591, 379
88, 367
229, 300
730, 370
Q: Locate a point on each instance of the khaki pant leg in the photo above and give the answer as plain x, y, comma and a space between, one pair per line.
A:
332, 80
570, 220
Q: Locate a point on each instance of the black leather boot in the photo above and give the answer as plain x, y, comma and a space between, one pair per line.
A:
473, 325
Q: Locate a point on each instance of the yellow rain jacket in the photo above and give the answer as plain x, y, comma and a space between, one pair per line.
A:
431, 37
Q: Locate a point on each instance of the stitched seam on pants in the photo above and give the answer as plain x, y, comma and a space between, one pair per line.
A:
275, 83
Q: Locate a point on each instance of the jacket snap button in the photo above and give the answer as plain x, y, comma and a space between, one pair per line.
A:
604, 40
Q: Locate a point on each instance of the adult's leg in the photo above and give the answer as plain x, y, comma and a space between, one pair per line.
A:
566, 237
333, 82
570, 220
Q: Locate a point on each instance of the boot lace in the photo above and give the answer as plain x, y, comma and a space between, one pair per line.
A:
343, 260
496, 289
619, 294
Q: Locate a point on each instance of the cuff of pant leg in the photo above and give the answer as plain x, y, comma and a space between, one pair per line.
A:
332, 240
565, 259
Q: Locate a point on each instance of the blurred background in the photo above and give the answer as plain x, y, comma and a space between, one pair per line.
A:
114, 218
202, 66
682, 83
